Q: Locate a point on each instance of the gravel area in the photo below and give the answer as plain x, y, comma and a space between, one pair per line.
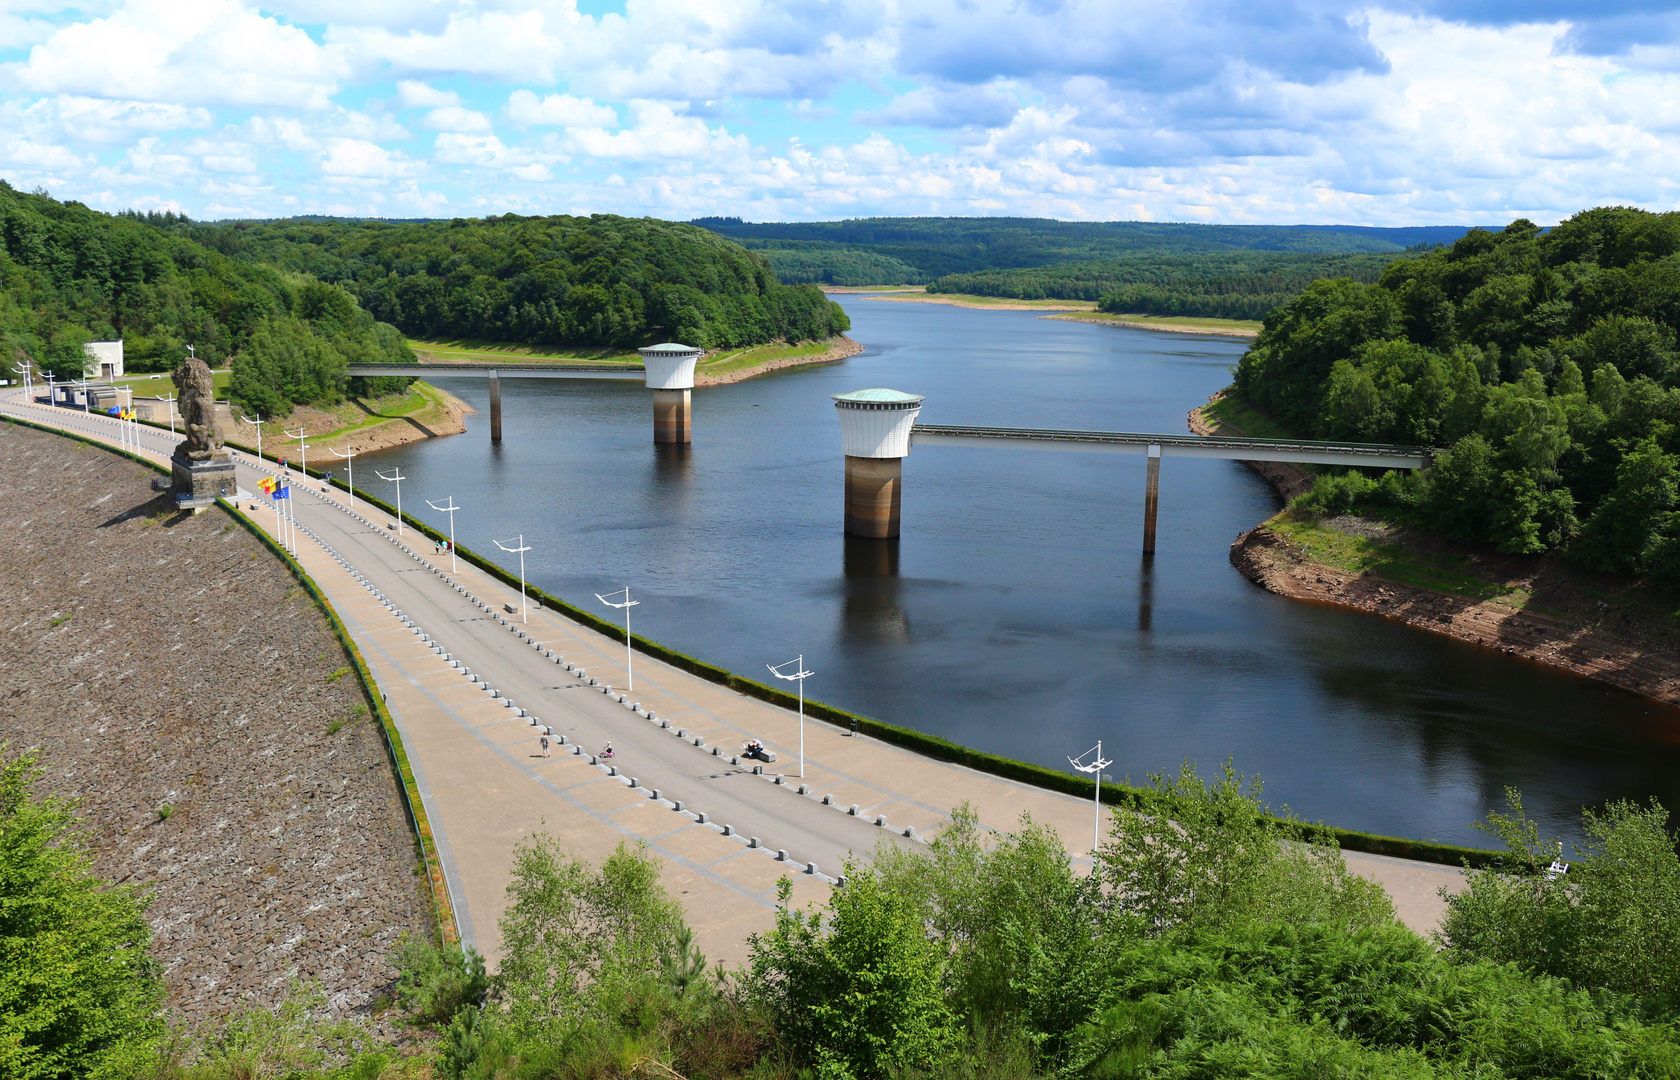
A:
160, 660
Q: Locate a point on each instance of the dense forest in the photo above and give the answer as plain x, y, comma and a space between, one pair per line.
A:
1207, 942
1544, 364
1224, 284
599, 280
70, 275
896, 251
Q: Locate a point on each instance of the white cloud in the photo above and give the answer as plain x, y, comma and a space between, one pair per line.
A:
211, 52
413, 94
558, 110
456, 118
361, 159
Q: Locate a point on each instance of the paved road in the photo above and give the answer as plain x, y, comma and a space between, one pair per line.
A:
488, 788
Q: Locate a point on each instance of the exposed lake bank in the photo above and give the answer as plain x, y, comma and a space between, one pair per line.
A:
1603, 627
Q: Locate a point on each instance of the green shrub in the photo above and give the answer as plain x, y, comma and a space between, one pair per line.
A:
435, 983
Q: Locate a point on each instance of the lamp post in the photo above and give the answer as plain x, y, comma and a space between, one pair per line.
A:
170, 399
303, 450
629, 676
799, 677
450, 510
24, 369
399, 479
522, 549
257, 423
1098, 764
352, 485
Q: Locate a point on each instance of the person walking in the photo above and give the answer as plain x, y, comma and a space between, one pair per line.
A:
545, 745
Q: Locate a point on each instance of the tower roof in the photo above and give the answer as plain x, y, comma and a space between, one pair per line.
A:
669, 348
879, 396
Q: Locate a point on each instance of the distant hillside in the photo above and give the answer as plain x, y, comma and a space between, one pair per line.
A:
891, 251
554, 280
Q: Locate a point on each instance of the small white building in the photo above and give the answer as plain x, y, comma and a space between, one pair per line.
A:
105, 359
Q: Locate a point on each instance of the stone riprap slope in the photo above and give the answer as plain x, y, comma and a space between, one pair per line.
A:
158, 659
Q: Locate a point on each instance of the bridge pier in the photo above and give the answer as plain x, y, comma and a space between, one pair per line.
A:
875, 437
1151, 498
670, 375
495, 408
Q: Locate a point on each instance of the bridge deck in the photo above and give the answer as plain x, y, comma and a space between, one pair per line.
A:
1231, 448
510, 371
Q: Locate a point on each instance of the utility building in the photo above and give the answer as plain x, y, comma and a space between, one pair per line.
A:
104, 359
670, 375
875, 437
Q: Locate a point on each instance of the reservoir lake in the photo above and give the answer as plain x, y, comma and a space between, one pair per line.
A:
1016, 614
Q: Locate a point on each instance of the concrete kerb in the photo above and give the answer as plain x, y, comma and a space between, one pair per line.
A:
443, 907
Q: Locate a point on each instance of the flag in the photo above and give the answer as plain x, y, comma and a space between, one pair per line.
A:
267, 485
284, 492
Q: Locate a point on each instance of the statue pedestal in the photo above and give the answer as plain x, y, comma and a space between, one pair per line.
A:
198, 484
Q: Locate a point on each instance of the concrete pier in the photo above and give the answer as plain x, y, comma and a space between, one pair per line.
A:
495, 408
875, 437
1151, 499
670, 375
671, 423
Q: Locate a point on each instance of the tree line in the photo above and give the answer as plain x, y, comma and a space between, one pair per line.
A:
1207, 941
70, 275
1224, 284
1543, 364
877, 251
598, 280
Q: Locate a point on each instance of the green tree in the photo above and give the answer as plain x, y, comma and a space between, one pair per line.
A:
78, 992
1623, 527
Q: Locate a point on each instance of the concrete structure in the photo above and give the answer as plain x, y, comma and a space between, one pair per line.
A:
1154, 447
875, 430
670, 375
105, 359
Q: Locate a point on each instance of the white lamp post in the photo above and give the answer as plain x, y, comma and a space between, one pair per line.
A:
399, 479
629, 676
303, 449
170, 398
257, 423
24, 369
799, 677
352, 484
1098, 764
522, 549
450, 510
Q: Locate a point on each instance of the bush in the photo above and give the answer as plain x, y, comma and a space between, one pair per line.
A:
78, 991
435, 983
1331, 495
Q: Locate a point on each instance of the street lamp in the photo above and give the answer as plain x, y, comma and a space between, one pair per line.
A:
352, 485
257, 423
170, 398
303, 450
629, 676
522, 549
1098, 764
450, 510
799, 677
24, 369
399, 479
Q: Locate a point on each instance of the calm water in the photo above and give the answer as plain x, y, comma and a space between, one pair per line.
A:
1016, 614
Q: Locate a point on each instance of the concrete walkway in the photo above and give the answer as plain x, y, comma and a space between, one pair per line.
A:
723, 835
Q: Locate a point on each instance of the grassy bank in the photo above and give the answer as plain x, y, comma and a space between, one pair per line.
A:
745, 359
1438, 571
472, 351
1000, 303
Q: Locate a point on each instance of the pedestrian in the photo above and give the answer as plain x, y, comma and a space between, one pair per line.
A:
545, 745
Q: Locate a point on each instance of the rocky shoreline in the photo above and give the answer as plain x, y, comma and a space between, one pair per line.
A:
1544, 611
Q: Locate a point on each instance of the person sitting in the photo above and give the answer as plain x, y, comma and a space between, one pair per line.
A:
607, 751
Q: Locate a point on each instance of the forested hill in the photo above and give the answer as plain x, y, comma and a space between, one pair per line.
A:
557, 280
1547, 363
69, 275
1218, 284
890, 251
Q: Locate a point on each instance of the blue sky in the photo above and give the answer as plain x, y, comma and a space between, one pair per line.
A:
1457, 111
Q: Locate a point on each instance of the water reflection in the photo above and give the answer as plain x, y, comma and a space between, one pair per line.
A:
1146, 594
870, 611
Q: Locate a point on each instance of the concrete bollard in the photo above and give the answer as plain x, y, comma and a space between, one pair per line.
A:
804, 789
828, 800
811, 868
701, 818
781, 855
780, 779
910, 831
677, 805
654, 794
699, 740
881, 821
665, 724
729, 830
752, 841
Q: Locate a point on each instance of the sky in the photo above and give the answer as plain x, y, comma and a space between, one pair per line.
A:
1236, 111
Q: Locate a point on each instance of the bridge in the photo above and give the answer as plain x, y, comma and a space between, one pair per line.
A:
878, 427
667, 370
